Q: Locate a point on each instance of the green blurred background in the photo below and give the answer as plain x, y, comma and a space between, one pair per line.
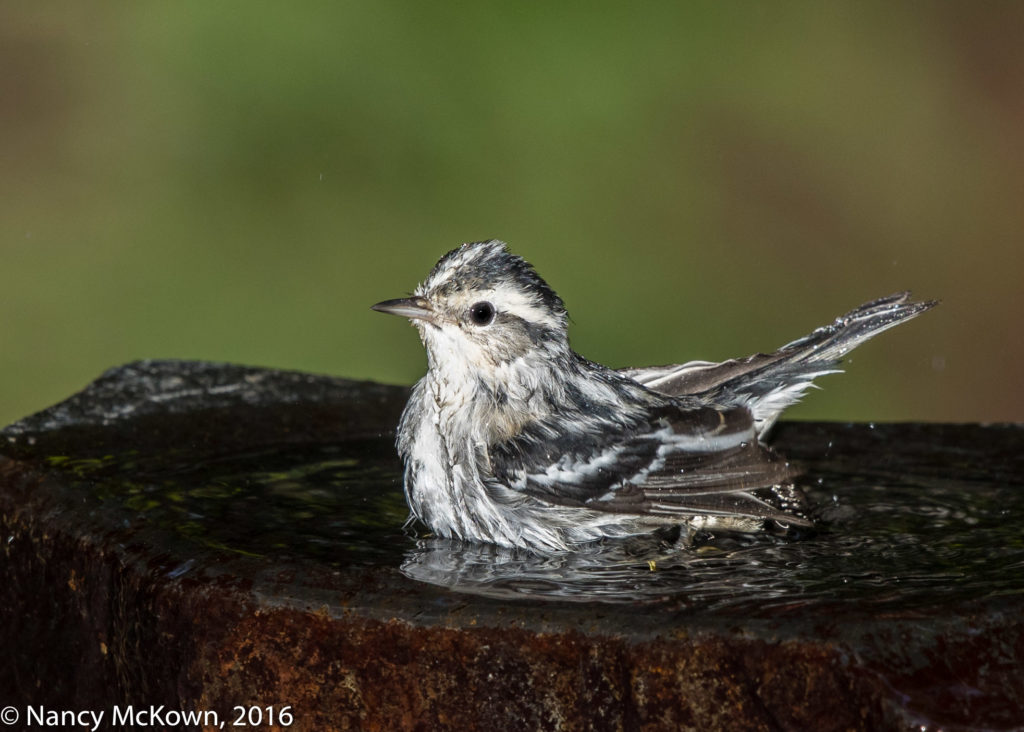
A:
240, 181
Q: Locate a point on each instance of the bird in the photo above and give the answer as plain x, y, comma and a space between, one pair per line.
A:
514, 439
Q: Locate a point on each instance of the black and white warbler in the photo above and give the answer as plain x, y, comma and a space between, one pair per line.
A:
514, 438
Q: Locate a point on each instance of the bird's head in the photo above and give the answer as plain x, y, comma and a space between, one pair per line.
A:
482, 309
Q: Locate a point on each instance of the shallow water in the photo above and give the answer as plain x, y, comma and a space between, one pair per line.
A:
892, 541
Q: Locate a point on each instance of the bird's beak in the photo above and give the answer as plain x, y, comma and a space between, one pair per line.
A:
415, 308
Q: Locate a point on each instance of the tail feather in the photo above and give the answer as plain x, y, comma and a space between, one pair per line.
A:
831, 342
769, 383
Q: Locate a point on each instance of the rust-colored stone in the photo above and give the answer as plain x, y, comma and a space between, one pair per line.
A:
141, 567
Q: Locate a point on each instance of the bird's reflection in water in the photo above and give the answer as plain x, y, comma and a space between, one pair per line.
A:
649, 570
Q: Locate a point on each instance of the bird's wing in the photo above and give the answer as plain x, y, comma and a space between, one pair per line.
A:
675, 463
696, 377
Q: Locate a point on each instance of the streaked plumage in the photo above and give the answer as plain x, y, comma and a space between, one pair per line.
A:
515, 439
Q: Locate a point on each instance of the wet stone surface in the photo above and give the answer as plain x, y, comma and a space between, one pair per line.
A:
202, 536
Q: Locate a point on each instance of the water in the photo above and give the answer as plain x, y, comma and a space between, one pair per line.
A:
339, 505
893, 541
290, 482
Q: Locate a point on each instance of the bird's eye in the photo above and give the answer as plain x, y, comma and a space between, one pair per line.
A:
481, 313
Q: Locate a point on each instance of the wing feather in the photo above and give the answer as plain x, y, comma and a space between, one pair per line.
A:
675, 462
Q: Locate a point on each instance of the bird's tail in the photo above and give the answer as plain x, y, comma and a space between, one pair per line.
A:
780, 383
767, 383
